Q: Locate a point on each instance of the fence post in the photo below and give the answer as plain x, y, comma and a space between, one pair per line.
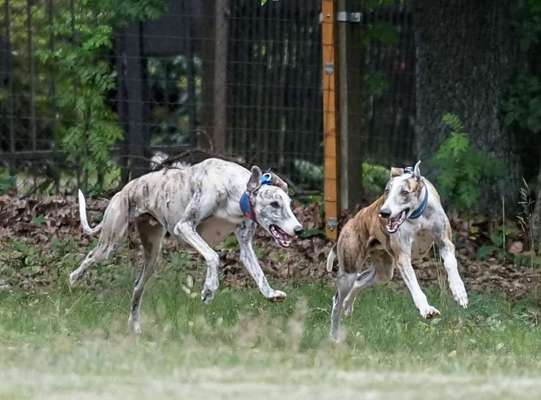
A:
330, 122
215, 73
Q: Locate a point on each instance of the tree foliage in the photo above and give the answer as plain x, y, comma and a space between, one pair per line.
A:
463, 171
86, 76
522, 108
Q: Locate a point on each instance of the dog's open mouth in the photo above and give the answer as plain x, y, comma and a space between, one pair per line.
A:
394, 223
281, 237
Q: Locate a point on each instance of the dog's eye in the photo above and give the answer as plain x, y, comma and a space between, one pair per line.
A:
404, 192
275, 204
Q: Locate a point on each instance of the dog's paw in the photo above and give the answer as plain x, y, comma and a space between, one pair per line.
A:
337, 335
207, 295
348, 312
429, 312
461, 297
135, 326
277, 295
74, 277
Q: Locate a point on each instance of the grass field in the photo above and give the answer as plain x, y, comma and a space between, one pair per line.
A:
63, 344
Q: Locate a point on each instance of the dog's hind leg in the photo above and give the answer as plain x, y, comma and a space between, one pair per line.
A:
151, 233
363, 280
384, 269
115, 226
344, 284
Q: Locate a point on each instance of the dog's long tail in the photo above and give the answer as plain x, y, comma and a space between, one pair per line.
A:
84, 222
330, 258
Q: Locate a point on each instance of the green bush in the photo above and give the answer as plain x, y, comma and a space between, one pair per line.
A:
374, 178
309, 173
463, 171
85, 77
7, 182
522, 109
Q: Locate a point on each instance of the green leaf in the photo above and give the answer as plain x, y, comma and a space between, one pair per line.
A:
485, 251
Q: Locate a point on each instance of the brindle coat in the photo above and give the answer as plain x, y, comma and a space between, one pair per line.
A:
368, 254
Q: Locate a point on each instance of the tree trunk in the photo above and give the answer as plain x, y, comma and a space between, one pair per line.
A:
465, 57
214, 107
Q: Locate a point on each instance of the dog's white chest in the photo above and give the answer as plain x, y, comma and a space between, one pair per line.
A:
421, 245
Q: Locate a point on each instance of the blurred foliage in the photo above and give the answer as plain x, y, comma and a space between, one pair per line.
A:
7, 182
529, 23
375, 83
72, 47
463, 171
378, 32
85, 76
374, 178
308, 173
172, 103
522, 104
522, 109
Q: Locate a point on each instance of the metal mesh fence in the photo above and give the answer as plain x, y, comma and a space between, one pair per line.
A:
234, 77
388, 104
239, 78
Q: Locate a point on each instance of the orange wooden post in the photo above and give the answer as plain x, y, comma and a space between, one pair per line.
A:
330, 121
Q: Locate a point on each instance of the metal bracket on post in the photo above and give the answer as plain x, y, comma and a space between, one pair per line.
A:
332, 224
329, 68
344, 16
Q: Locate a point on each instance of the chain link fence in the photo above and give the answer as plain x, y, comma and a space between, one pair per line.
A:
238, 78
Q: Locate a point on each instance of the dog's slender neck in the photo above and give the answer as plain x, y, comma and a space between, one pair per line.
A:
247, 205
247, 199
421, 209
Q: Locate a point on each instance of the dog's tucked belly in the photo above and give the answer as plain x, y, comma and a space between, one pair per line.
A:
421, 245
214, 230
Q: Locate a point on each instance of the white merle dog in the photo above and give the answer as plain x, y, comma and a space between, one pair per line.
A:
200, 205
399, 227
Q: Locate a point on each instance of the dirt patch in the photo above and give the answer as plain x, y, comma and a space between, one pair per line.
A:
38, 221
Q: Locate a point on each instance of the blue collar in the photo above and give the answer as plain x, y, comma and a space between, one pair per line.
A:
246, 201
421, 209
246, 205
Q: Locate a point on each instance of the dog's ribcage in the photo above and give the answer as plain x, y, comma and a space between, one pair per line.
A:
421, 244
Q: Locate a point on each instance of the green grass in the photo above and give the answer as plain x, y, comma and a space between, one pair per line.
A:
61, 343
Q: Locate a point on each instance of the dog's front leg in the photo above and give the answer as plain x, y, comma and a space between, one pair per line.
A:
244, 233
447, 253
187, 232
408, 275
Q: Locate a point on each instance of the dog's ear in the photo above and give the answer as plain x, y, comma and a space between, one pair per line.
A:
277, 181
417, 170
253, 182
396, 171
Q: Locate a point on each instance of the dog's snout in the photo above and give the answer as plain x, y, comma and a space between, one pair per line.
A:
298, 230
384, 213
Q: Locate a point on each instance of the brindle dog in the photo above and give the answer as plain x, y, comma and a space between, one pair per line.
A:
400, 226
